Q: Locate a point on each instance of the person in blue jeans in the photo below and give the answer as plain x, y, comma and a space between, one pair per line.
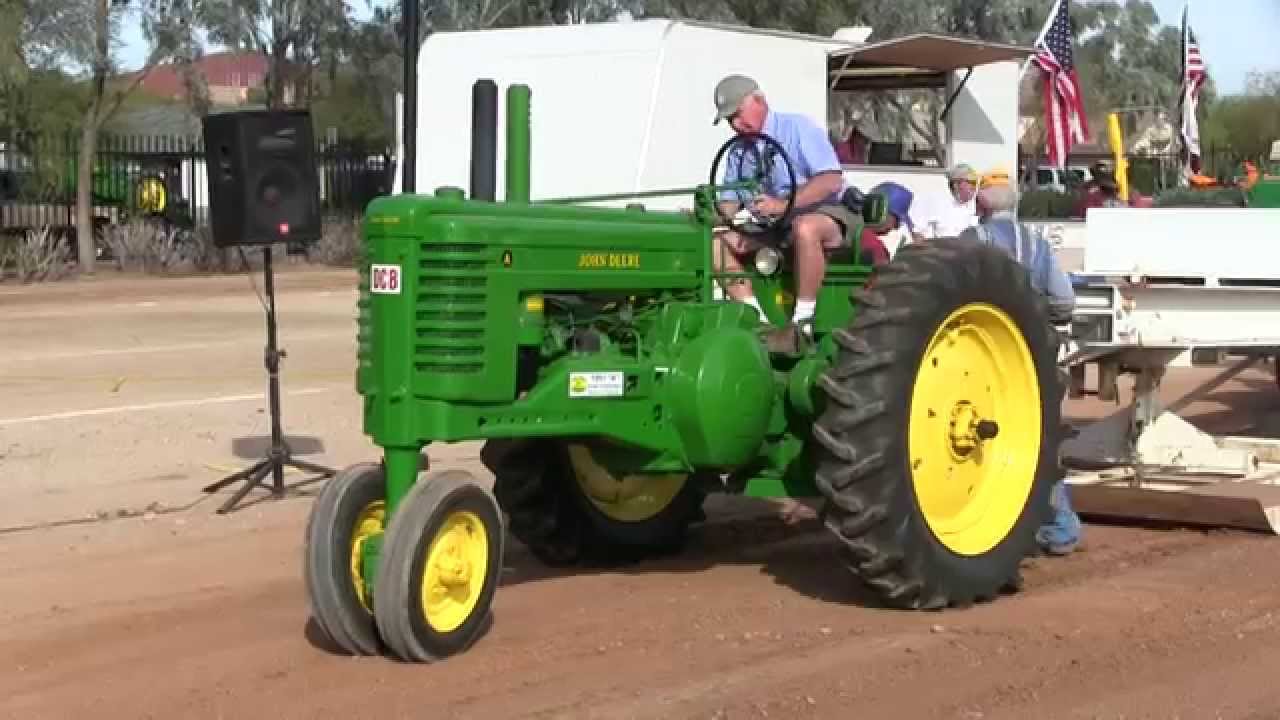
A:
1061, 534
999, 226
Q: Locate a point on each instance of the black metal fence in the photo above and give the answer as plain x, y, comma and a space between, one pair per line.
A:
158, 177
164, 176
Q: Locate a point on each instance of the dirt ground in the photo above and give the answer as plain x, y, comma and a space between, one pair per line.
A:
125, 596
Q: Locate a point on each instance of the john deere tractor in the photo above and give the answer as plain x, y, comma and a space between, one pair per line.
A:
585, 345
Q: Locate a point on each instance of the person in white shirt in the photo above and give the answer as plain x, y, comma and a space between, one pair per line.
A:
950, 216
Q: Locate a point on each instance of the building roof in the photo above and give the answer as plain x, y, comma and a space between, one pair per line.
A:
157, 121
220, 69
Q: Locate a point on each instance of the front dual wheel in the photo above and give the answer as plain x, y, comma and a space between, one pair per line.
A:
438, 564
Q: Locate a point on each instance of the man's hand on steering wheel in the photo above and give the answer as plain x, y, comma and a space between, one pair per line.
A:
770, 206
766, 214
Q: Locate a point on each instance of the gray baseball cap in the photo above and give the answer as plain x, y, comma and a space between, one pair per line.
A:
729, 95
963, 172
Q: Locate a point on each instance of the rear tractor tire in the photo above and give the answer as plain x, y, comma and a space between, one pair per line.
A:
938, 445
569, 509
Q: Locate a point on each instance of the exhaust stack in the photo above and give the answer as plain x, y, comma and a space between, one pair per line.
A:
518, 143
484, 140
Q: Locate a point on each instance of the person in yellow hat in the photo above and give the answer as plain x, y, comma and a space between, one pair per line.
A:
996, 177
1000, 227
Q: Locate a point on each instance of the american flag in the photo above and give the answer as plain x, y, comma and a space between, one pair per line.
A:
1063, 99
1193, 77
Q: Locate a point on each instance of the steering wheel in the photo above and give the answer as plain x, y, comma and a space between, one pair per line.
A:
761, 163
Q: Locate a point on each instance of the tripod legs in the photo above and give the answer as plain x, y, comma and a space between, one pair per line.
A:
274, 464
279, 456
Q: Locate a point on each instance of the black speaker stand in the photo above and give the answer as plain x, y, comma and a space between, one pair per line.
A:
279, 455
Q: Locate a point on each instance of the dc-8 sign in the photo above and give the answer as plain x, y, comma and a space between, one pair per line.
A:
385, 279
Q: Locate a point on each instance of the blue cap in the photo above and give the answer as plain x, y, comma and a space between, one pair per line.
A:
898, 199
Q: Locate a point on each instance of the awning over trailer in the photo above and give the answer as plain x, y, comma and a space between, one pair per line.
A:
922, 60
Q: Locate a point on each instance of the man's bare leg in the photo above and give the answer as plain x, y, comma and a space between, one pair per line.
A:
725, 249
811, 234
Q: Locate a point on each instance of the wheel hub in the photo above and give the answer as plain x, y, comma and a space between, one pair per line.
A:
452, 567
969, 429
453, 572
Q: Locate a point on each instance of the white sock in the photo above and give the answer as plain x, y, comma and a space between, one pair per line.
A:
804, 311
753, 302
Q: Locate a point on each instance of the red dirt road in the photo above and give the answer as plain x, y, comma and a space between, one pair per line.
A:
187, 614
149, 618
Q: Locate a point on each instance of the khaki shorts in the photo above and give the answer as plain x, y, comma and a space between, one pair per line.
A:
745, 242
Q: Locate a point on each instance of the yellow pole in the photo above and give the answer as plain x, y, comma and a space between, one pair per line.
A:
1117, 150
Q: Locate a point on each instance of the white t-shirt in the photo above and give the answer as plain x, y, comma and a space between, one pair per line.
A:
945, 217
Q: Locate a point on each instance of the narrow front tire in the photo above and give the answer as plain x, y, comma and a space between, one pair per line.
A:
349, 512
439, 569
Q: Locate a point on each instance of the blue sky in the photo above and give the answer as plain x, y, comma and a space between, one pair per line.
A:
1233, 41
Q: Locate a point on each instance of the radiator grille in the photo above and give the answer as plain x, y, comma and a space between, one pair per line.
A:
364, 330
451, 308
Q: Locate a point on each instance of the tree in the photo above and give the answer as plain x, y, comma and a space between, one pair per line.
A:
1246, 125
83, 34
293, 34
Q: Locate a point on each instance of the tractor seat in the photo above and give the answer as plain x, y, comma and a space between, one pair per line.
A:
870, 250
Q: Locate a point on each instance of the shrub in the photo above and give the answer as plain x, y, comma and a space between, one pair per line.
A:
1187, 197
1046, 204
36, 256
339, 243
142, 245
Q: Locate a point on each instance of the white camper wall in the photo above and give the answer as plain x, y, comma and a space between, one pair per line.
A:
616, 107
984, 118
682, 141
586, 114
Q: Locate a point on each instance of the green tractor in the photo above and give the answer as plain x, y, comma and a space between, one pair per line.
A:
585, 345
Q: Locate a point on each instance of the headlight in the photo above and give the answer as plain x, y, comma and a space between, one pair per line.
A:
768, 260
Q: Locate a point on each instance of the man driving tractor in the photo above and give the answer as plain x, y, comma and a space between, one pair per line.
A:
820, 219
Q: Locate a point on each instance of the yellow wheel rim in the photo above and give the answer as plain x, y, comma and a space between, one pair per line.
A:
152, 195
454, 573
974, 437
631, 498
369, 523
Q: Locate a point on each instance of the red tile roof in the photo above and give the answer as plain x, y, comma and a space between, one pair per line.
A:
223, 69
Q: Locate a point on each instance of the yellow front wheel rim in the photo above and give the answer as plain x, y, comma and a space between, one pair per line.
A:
974, 434
631, 498
454, 572
369, 523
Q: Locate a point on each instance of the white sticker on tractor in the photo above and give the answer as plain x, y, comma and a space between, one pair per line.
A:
385, 279
595, 384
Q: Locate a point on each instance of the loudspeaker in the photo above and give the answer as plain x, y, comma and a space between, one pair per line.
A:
263, 185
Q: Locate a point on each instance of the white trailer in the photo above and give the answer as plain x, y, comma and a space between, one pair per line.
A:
627, 106
1175, 287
